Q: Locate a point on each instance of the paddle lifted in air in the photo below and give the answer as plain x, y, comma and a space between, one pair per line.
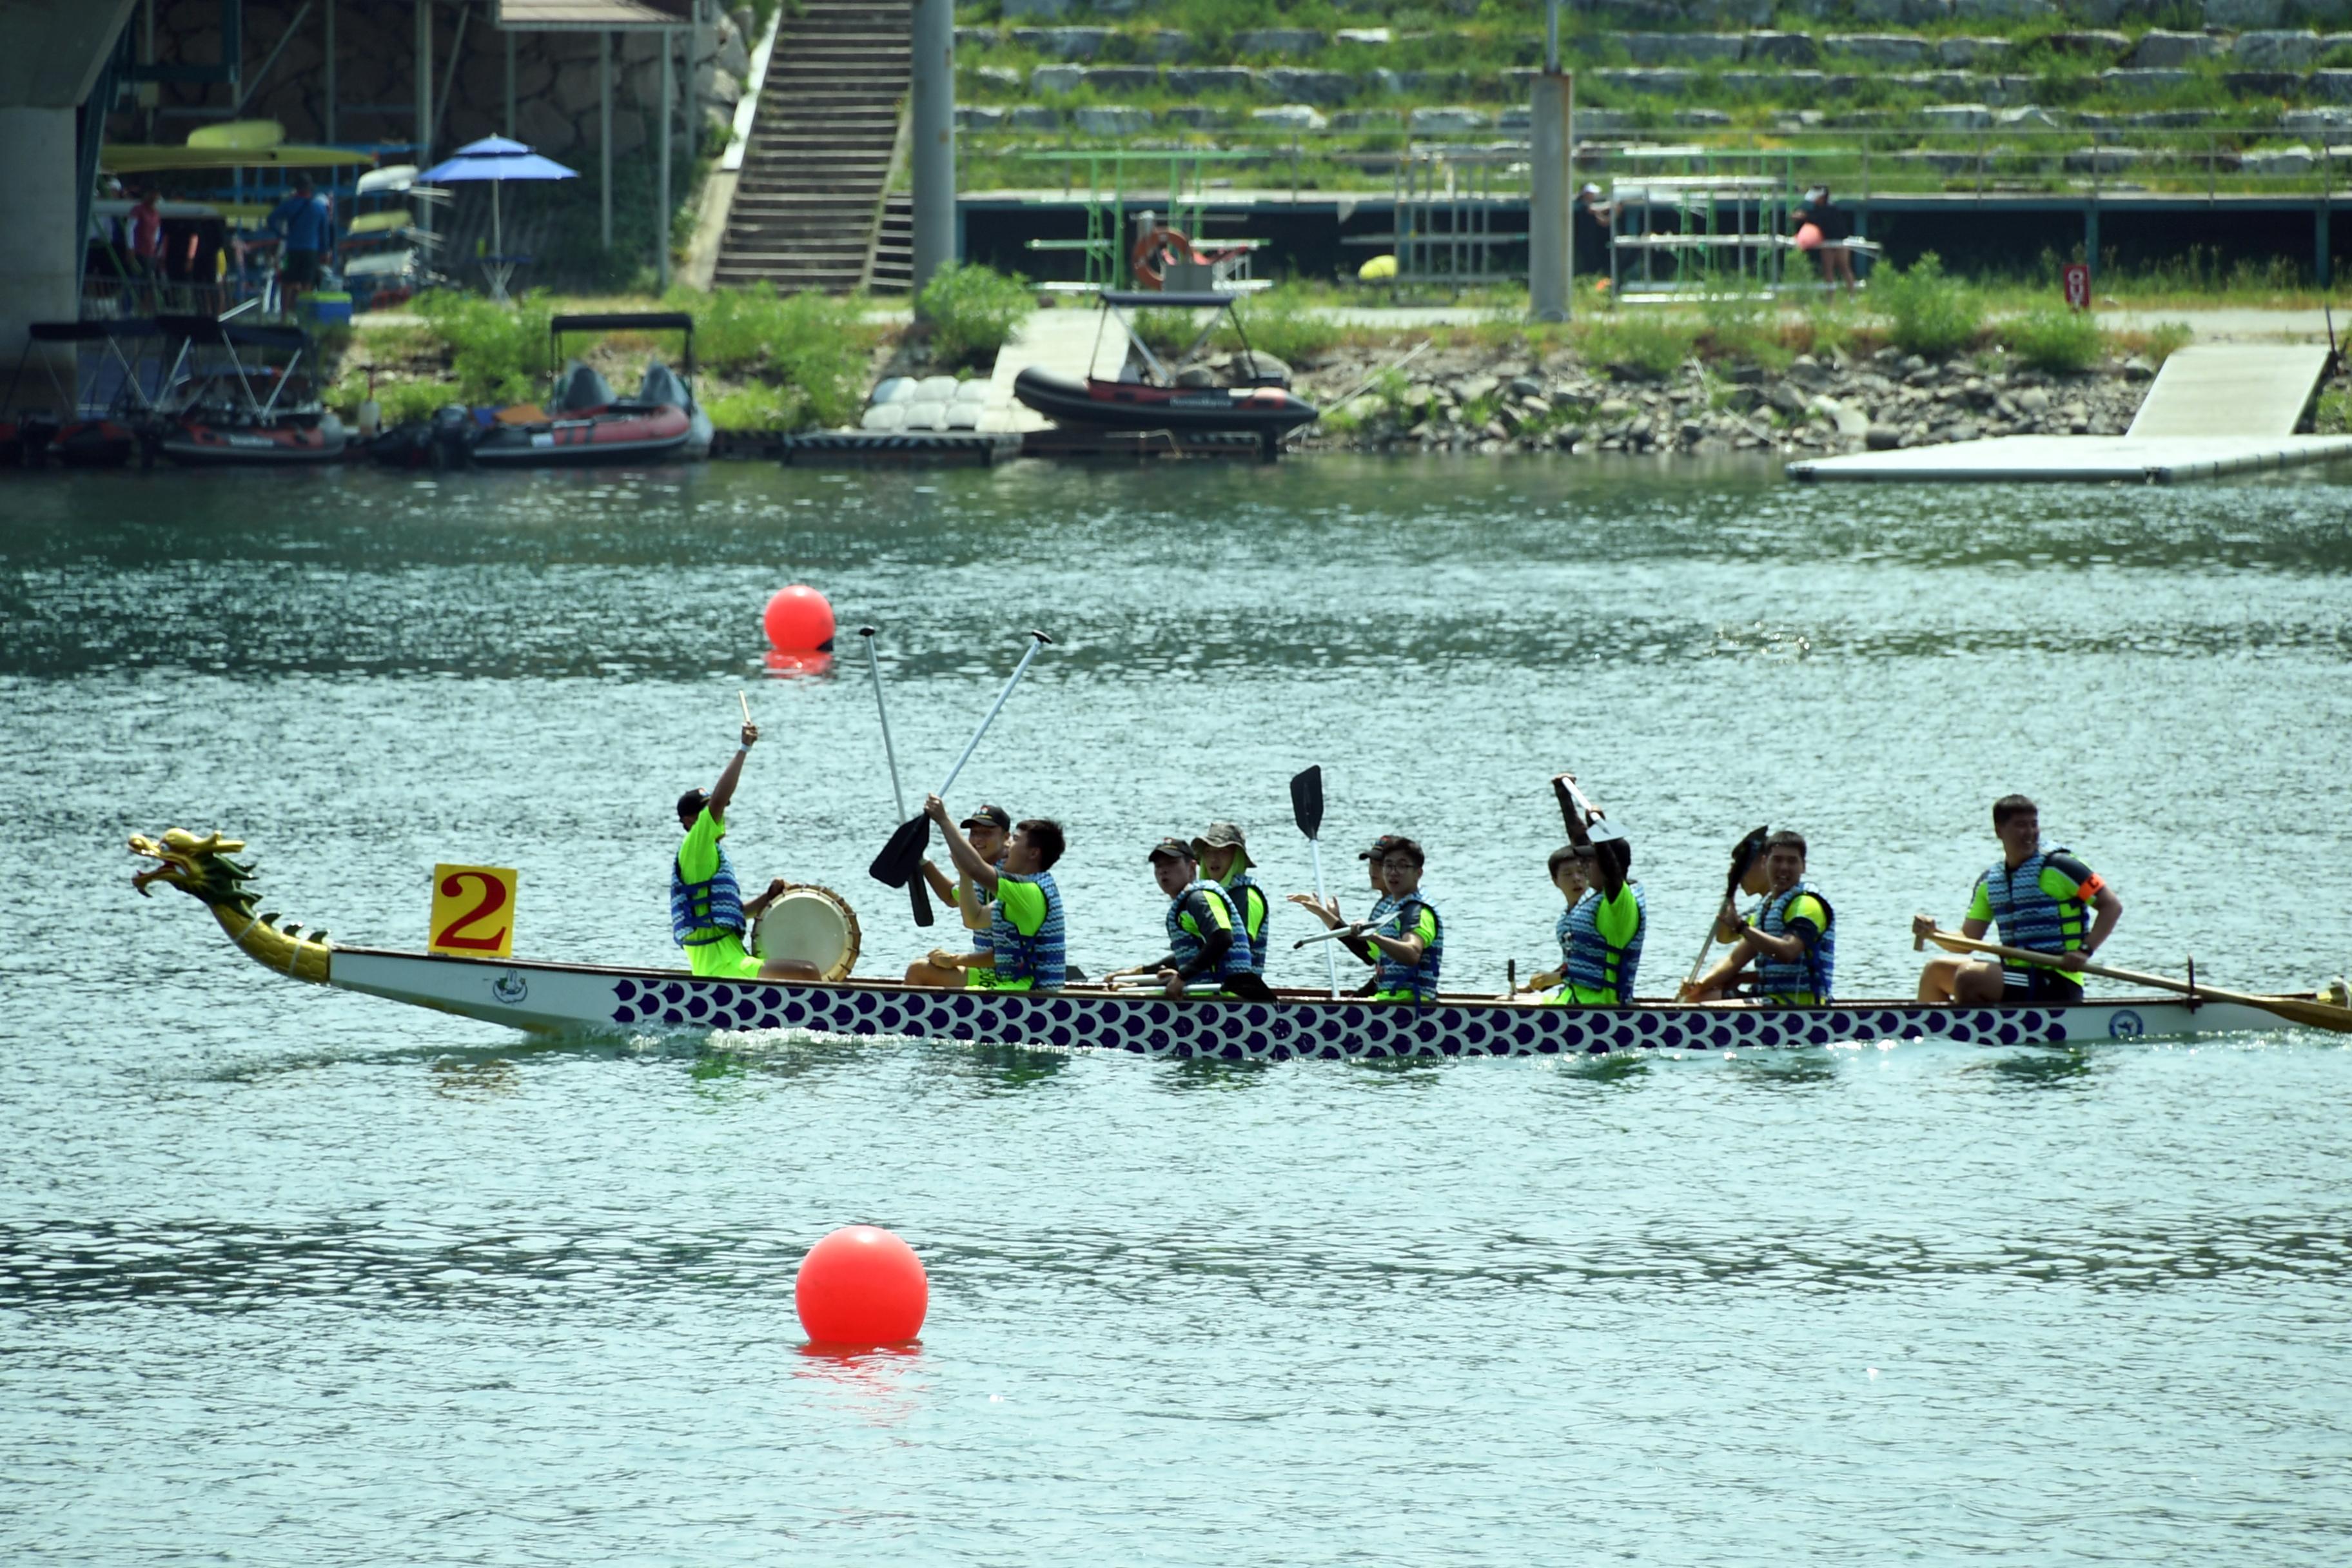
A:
1791, 939
1025, 931
707, 913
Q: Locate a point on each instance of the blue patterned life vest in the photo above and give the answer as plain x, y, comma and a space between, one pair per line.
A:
1393, 973
1807, 976
1187, 944
703, 913
1239, 890
2028, 917
1037, 959
1587, 958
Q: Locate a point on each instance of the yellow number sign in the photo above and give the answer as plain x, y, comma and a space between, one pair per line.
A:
473, 910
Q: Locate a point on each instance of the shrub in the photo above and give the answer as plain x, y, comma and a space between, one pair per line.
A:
1654, 344
497, 354
815, 344
1282, 323
1927, 312
2052, 337
1746, 330
2161, 342
971, 311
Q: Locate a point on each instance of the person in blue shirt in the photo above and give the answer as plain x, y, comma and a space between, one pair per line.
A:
303, 222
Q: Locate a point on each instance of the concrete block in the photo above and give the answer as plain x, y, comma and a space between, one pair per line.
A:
2331, 85
1199, 82
1782, 48
1289, 117
1667, 83
1296, 84
1121, 79
1901, 13
1957, 116
2002, 10
1037, 10
2277, 51
1111, 119
2104, 160
1279, 41
1057, 79
1196, 117
2157, 50
1167, 45
2145, 83
2263, 84
978, 117
2235, 16
1368, 120
1968, 52
1003, 78
1451, 122
1662, 48
2295, 160
1063, 42
1366, 37
2025, 117
1035, 117
1881, 48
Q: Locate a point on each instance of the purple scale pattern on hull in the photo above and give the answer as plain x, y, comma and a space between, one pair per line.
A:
1258, 1032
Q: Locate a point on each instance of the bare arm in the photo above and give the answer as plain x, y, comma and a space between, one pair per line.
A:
939, 882
966, 858
2109, 905
722, 794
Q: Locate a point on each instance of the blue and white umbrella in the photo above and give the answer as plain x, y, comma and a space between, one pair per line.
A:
497, 160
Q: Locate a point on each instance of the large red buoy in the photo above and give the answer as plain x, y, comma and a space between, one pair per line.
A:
862, 1285
799, 620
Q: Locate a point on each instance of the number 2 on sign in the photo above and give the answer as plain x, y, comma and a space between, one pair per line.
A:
473, 910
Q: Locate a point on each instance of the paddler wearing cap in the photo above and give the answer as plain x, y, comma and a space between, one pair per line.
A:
1791, 939
1224, 858
1600, 934
1409, 938
987, 830
707, 913
1205, 953
1025, 931
1327, 910
2044, 900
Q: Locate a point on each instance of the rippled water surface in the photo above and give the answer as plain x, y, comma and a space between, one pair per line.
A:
289, 1275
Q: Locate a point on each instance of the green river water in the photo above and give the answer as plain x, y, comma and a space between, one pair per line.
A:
293, 1276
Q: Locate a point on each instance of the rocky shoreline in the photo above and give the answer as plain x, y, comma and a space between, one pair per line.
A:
1473, 401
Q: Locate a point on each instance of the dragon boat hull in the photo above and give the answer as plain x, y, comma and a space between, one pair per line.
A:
562, 997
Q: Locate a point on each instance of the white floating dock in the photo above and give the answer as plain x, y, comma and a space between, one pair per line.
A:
2230, 389
2082, 459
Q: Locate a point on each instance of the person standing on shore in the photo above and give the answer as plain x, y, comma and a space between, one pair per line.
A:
308, 229
2044, 900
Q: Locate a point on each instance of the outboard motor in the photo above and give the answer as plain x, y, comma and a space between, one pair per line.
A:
580, 390
451, 435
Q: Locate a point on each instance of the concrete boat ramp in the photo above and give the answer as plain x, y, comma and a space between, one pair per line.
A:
2216, 408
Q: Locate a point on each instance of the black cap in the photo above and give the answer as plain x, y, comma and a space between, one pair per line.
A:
994, 816
1171, 849
1381, 846
690, 803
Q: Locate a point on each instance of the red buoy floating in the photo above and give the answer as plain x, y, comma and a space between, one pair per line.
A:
798, 620
861, 1286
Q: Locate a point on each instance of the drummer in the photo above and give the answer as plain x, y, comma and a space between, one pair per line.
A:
1206, 955
1225, 859
987, 829
1025, 934
707, 913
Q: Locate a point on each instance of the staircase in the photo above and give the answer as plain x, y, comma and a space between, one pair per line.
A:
894, 247
805, 210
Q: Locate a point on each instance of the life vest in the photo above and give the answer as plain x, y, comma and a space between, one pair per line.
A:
1805, 978
1587, 959
1187, 943
1393, 973
1239, 890
2028, 917
703, 913
1037, 959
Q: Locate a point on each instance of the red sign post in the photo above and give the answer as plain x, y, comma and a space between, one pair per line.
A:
2078, 285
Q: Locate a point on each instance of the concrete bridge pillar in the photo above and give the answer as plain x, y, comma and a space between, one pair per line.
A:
50, 51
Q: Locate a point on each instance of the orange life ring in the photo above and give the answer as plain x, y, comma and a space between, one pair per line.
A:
1157, 247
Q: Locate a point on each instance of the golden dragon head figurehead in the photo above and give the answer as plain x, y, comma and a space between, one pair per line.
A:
201, 868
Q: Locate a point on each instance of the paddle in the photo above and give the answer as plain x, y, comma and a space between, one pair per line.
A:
919, 897
902, 858
1742, 858
2313, 1014
1574, 809
1307, 810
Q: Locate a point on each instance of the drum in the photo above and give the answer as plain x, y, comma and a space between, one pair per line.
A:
812, 923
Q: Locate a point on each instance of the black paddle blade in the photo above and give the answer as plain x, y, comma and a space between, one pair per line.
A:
1306, 801
918, 898
902, 859
1746, 856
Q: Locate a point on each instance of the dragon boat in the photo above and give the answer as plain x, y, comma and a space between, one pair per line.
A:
558, 998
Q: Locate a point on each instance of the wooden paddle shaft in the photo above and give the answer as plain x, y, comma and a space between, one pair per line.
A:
2319, 1014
